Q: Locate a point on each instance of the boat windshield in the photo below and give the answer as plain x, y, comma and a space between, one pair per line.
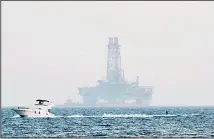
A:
42, 103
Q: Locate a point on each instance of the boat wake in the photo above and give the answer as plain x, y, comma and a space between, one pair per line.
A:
130, 115
117, 116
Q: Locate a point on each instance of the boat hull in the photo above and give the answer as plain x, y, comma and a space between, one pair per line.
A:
33, 113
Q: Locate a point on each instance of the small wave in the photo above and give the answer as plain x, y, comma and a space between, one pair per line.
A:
15, 116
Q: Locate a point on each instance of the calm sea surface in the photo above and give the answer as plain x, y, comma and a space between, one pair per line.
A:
112, 122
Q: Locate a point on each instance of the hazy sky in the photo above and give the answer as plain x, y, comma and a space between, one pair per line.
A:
51, 48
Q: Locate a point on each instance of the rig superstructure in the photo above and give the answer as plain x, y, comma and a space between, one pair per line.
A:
115, 89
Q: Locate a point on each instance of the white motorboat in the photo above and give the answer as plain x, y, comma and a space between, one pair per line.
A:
41, 109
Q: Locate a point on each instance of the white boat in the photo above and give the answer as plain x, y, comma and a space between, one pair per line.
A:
41, 109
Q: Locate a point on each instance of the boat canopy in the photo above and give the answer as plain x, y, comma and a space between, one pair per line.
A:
40, 100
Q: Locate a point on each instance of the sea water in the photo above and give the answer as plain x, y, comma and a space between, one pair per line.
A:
112, 122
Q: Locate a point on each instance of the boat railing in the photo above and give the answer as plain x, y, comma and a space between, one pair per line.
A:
41, 105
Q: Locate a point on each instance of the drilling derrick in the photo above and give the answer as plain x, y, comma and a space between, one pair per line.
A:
114, 61
115, 88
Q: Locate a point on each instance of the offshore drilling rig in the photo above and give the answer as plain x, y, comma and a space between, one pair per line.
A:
115, 89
